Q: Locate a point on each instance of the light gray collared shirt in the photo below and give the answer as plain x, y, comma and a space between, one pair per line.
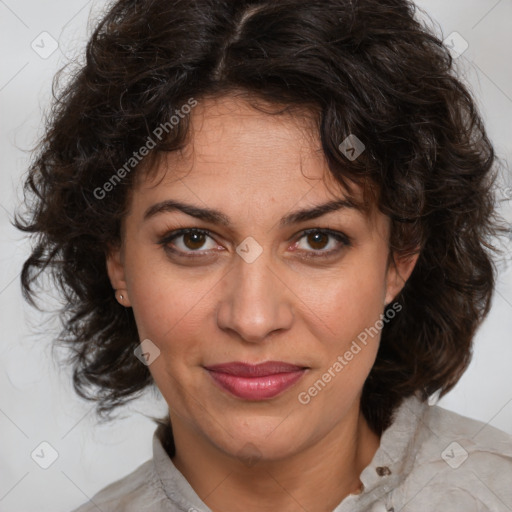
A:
429, 460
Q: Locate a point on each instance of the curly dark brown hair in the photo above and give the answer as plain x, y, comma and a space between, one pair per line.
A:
364, 67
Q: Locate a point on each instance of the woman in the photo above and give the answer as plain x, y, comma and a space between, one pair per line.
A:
279, 214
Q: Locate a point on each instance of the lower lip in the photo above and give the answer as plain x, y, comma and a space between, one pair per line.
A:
256, 388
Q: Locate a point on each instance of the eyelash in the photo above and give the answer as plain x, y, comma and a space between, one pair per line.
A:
343, 239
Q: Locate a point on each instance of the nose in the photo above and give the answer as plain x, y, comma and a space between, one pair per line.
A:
255, 301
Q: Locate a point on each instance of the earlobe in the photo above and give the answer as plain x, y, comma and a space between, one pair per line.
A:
399, 271
116, 274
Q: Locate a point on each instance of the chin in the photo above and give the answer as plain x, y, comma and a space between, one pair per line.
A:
265, 439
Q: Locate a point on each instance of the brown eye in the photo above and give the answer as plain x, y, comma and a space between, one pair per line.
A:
194, 240
317, 240
189, 241
322, 243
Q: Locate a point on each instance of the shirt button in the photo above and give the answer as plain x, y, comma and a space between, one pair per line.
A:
383, 471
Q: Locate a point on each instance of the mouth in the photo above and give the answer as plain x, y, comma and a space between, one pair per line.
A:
256, 382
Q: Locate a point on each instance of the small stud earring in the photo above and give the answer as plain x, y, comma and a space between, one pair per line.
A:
121, 297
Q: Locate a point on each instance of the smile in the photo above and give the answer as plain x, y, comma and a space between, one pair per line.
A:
256, 382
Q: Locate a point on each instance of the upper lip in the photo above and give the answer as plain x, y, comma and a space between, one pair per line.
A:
254, 370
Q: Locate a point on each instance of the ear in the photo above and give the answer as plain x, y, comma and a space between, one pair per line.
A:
399, 270
116, 273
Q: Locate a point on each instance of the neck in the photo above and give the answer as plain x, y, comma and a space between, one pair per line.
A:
329, 468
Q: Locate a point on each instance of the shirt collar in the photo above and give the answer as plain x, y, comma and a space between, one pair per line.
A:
174, 484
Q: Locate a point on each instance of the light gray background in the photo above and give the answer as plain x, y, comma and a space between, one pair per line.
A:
37, 402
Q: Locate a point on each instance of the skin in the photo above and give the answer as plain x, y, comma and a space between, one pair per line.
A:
275, 454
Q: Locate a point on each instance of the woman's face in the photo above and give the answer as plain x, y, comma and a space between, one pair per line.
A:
256, 288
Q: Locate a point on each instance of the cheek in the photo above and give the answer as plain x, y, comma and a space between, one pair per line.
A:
167, 304
347, 314
347, 302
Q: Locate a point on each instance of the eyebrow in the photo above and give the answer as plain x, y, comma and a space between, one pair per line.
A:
217, 217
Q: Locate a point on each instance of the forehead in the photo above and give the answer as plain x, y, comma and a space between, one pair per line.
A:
227, 135
238, 155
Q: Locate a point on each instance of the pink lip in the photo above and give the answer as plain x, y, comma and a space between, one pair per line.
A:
256, 382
